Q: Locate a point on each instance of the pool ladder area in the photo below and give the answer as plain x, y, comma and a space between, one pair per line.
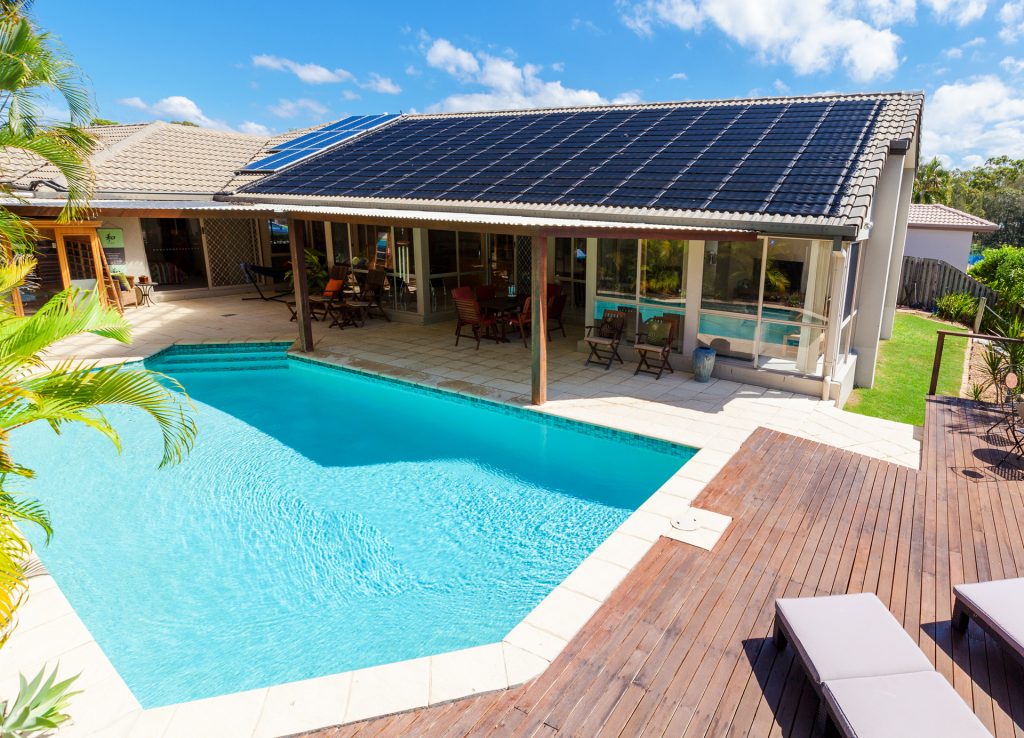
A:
220, 357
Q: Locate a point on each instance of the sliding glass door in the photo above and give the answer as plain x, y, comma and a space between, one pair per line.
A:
767, 301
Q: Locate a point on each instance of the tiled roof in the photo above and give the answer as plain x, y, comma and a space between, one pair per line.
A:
240, 178
943, 217
158, 158
803, 161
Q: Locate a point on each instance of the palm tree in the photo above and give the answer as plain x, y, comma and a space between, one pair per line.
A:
933, 183
33, 67
32, 390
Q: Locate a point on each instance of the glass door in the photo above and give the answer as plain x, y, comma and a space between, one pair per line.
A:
571, 273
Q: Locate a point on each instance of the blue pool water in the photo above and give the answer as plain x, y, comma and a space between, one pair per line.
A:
325, 521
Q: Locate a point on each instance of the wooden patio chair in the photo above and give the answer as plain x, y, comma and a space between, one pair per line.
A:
469, 314
369, 303
556, 306
1014, 433
603, 339
1009, 394
654, 346
523, 320
320, 305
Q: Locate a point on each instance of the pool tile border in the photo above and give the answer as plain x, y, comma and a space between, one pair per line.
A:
523, 654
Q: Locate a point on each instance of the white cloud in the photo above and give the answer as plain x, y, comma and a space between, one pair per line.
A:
412, 71
960, 12
584, 24
883, 12
679, 75
383, 85
1011, 15
815, 37
976, 41
293, 108
313, 74
982, 117
350, 94
506, 85
254, 129
460, 63
955, 53
558, 67
1011, 65
780, 87
176, 107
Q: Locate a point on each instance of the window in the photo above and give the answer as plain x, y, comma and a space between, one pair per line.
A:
456, 259
766, 301
339, 242
174, 250
571, 271
645, 279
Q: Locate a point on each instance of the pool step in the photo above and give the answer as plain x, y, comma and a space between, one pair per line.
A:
220, 357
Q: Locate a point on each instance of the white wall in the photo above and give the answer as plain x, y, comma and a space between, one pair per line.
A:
952, 247
134, 250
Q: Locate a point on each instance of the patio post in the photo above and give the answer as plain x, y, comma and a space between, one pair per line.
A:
297, 243
539, 308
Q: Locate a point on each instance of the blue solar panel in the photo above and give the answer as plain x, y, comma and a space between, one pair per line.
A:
791, 156
316, 141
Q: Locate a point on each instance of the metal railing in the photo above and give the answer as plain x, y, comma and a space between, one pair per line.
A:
940, 344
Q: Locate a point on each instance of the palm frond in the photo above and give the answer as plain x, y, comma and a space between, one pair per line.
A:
71, 394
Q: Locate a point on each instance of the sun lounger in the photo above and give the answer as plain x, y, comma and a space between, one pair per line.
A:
998, 607
873, 679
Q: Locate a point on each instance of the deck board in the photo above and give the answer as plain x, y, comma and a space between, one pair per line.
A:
682, 648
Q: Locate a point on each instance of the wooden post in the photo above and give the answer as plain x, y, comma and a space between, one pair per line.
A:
297, 242
8, 253
539, 306
980, 315
62, 257
937, 363
97, 259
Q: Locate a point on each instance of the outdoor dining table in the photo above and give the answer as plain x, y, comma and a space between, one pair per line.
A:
499, 306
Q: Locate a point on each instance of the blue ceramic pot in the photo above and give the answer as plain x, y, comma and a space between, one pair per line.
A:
703, 363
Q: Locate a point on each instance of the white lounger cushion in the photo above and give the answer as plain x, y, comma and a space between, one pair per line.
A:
918, 705
846, 636
1001, 605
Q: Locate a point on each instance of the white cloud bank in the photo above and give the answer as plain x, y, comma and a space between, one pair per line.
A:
814, 35
179, 107
967, 122
317, 74
506, 85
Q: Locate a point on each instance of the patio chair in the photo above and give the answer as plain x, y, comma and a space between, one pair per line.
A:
603, 339
1015, 432
523, 320
468, 312
556, 306
486, 292
253, 273
371, 293
873, 680
1009, 395
654, 346
997, 607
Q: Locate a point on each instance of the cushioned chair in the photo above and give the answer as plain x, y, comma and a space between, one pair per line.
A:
523, 320
998, 607
556, 307
873, 679
603, 339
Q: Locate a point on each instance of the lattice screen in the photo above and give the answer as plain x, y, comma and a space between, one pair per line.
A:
524, 250
229, 242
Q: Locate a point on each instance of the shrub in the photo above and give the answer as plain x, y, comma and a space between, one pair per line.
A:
1002, 269
958, 307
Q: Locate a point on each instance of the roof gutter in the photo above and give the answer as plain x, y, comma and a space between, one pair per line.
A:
816, 230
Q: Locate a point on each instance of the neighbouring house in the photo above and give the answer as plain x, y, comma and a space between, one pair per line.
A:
770, 229
943, 233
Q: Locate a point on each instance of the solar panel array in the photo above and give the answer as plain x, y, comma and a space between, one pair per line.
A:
316, 141
791, 157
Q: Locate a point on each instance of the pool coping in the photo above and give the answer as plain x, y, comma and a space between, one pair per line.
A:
346, 697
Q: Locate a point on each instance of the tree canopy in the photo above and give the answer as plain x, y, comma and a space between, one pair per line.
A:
993, 190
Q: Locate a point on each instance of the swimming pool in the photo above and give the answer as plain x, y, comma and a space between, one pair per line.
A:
326, 521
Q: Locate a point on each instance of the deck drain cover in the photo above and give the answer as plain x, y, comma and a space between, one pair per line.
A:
686, 522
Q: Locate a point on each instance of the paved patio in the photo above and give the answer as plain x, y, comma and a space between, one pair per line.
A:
715, 417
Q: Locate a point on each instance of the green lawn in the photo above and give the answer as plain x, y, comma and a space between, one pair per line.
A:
905, 370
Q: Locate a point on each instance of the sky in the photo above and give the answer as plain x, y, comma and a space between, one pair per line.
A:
266, 67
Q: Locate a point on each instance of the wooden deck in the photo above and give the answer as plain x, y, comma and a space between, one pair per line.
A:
683, 646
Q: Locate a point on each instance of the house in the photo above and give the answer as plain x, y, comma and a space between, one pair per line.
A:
943, 233
770, 229
153, 213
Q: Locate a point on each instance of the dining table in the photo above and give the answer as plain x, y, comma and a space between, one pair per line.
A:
500, 307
